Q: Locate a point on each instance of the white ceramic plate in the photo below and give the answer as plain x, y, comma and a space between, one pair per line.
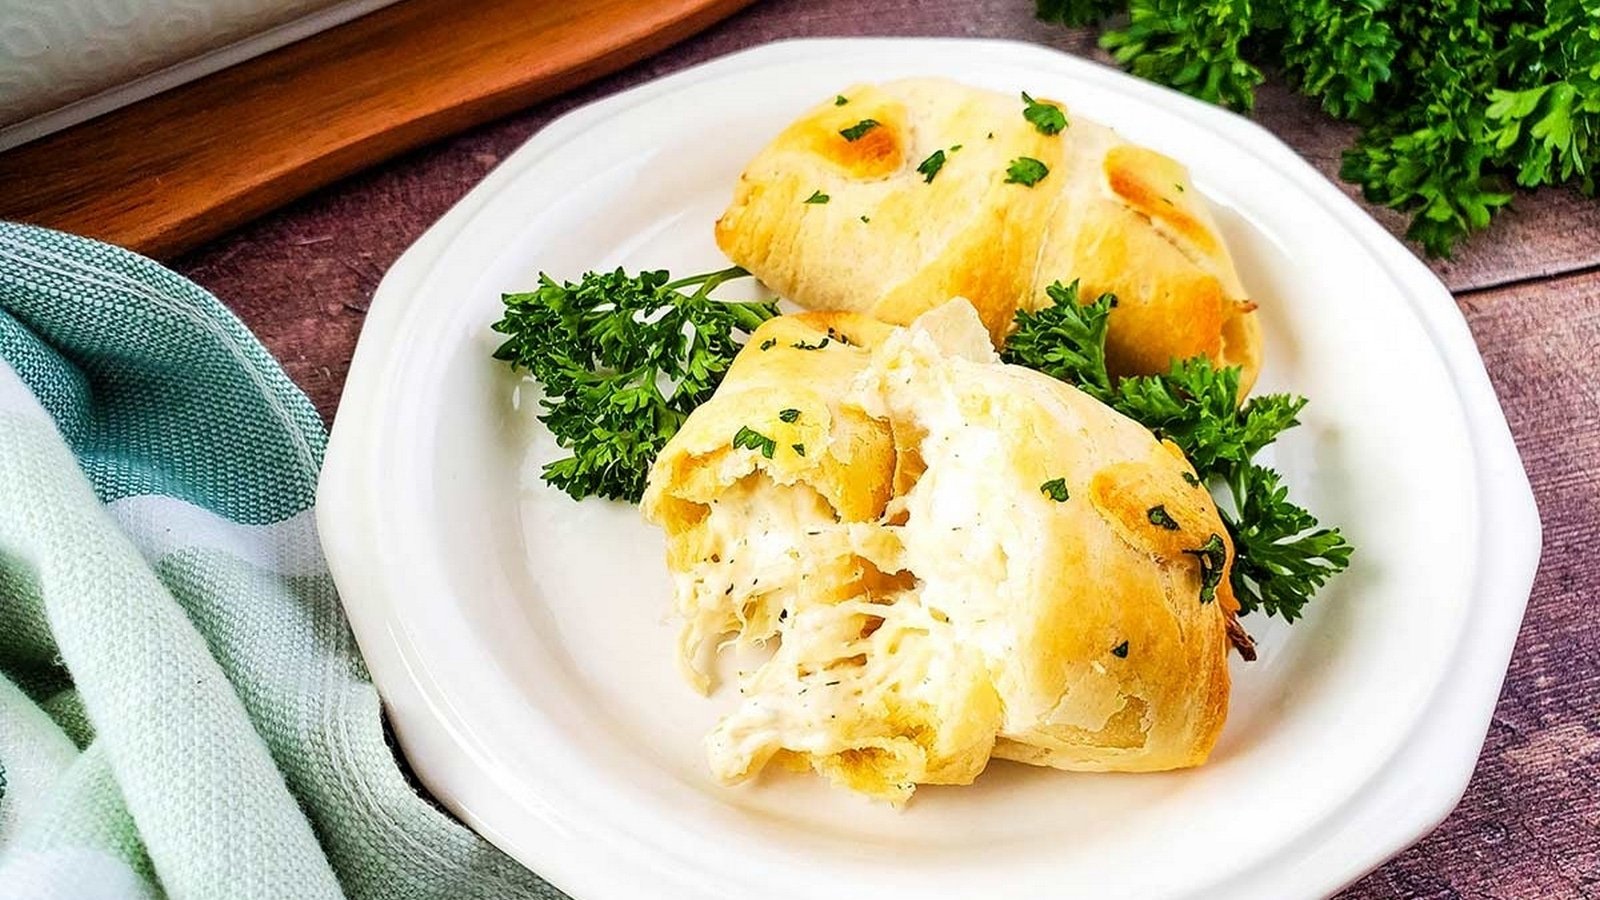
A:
523, 644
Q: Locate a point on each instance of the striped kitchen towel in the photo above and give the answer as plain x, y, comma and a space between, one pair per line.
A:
183, 710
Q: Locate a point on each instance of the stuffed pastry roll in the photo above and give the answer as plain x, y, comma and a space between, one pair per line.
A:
914, 191
948, 558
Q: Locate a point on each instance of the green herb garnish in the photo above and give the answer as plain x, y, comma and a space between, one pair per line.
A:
748, 438
769, 343
802, 345
931, 166
623, 359
1055, 489
1213, 555
1047, 118
1159, 516
855, 132
1120, 651
1457, 102
798, 448
1026, 170
1281, 556
839, 100
818, 197
789, 415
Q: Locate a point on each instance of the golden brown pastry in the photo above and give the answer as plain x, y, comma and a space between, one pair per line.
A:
949, 559
891, 243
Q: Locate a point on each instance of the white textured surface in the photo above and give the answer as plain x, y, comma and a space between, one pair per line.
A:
63, 61
160, 526
521, 641
70, 874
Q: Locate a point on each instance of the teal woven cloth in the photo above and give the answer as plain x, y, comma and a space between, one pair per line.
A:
183, 711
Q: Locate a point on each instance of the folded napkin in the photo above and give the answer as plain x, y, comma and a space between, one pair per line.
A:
182, 708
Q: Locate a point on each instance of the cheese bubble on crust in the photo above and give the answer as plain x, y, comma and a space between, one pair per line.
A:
925, 606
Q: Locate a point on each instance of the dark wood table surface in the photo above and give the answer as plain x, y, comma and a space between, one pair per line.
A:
1529, 825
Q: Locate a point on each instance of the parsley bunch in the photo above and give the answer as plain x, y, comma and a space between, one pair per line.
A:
1281, 556
623, 360
1458, 100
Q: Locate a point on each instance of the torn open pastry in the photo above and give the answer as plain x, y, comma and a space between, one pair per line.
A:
949, 558
922, 203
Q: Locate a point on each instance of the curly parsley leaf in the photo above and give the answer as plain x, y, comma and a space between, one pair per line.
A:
1196, 405
1066, 340
623, 359
1457, 102
1077, 13
1281, 557
930, 167
1192, 45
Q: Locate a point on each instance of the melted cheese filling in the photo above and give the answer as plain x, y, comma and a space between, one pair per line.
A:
890, 646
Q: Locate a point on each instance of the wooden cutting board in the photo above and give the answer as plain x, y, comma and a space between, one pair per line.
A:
166, 173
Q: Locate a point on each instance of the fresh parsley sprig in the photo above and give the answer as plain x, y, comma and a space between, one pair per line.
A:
1457, 101
1281, 556
623, 360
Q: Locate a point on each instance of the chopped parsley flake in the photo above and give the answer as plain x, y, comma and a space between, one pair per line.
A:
1046, 117
1055, 489
1191, 479
1158, 516
769, 343
1120, 651
818, 197
865, 220
840, 100
858, 130
749, 439
802, 345
931, 166
954, 147
1178, 186
789, 415
1212, 555
1026, 171
798, 448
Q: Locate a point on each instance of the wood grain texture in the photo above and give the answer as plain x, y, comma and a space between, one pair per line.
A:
1529, 825
166, 173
